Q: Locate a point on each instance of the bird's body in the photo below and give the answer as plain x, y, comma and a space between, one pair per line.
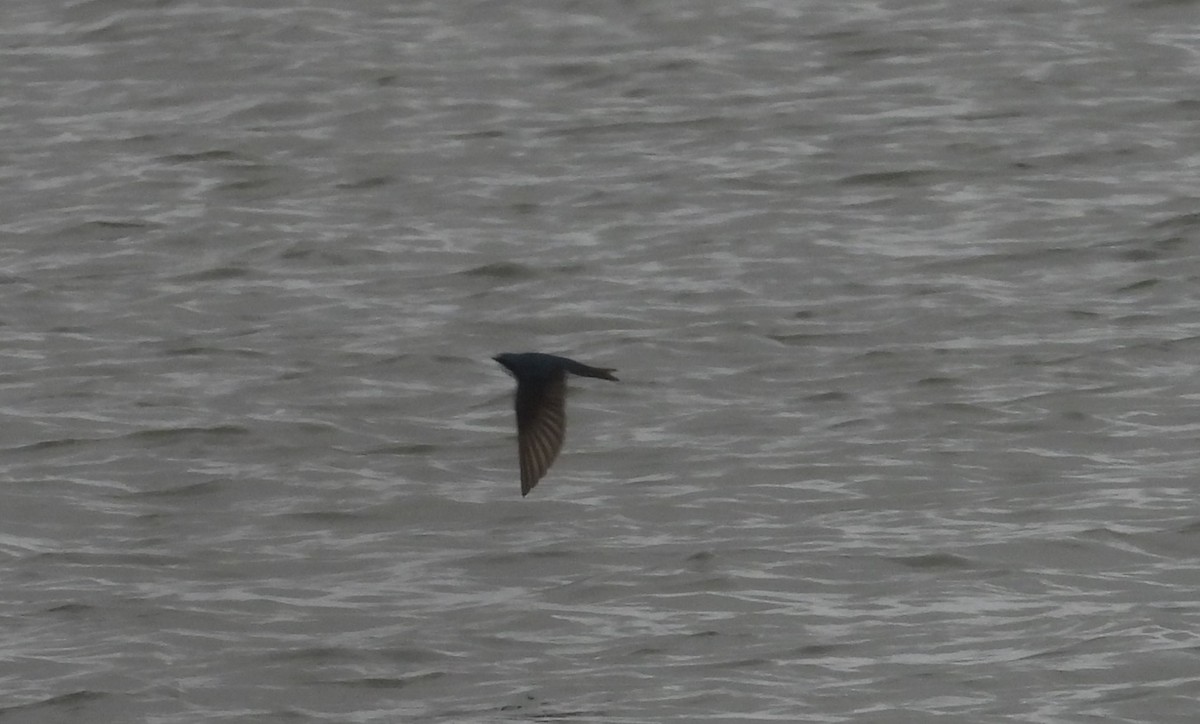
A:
540, 404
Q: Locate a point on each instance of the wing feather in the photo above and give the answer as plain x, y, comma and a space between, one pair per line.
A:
541, 426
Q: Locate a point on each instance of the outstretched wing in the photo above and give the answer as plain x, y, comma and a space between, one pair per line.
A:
541, 426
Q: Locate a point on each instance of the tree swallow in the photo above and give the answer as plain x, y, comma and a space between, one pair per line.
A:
540, 399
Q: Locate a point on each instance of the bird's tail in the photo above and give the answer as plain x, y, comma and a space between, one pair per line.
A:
604, 373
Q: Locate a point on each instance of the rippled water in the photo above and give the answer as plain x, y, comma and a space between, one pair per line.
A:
902, 297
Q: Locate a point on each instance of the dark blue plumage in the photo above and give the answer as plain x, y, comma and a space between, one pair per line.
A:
540, 403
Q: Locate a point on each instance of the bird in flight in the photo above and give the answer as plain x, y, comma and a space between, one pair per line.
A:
540, 401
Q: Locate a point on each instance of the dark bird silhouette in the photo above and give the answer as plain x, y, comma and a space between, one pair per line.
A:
540, 401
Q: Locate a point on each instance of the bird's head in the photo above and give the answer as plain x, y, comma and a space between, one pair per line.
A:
506, 361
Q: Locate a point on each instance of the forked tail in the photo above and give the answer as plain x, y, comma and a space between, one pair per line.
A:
604, 373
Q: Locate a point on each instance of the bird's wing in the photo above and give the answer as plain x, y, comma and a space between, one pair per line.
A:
541, 426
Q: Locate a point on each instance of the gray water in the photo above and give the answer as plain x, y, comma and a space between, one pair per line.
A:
902, 294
